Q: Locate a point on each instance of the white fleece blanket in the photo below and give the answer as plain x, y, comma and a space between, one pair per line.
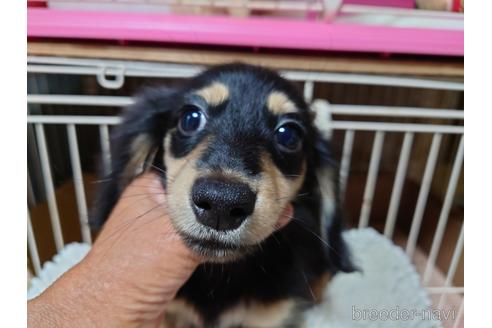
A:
386, 293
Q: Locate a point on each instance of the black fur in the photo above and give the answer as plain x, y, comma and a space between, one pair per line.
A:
152, 114
291, 259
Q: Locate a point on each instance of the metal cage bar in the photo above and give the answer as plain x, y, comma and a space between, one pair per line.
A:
33, 248
105, 147
50, 189
79, 183
456, 257
396, 127
444, 215
308, 91
454, 263
73, 119
83, 100
345, 162
445, 290
397, 111
423, 194
372, 174
457, 321
75, 66
335, 109
398, 184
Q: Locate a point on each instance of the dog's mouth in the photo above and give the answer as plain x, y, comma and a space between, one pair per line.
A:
216, 250
218, 246
226, 246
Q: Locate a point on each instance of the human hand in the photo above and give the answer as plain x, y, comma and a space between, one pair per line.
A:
135, 267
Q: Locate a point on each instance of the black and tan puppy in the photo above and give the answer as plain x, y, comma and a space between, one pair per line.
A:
234, 146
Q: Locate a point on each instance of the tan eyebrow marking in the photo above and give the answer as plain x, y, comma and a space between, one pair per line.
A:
279, 103
214, 94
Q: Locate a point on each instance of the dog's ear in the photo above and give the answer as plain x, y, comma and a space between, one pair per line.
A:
327, 176
136, 144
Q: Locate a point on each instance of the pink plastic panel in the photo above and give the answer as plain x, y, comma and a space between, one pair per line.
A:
252, 32
386, 3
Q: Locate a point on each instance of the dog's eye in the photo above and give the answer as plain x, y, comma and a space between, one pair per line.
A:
288, 138
191, 121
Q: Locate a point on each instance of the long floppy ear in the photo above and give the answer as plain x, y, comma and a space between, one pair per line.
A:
135, 144
327, 175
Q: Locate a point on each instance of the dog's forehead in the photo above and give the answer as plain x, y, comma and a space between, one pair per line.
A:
247, 87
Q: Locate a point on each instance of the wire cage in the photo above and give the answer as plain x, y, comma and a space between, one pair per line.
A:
399, 138
399, 141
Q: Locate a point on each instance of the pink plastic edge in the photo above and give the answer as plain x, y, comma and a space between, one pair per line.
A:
251, 32
386, 3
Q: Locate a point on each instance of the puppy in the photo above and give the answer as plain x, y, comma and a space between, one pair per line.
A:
234, 146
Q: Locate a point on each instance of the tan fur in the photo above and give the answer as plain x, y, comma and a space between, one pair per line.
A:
181, 174
319, 287
214, 94
322, 119
180, 314
140, 150
326, 178
274, 191
278, 103
258, 315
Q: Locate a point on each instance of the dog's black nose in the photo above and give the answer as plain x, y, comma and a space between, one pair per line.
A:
222, 204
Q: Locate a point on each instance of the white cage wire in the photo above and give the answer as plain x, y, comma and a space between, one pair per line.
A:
111, 74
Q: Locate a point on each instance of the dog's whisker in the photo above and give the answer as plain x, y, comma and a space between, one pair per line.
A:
118, 233
295, 197
276, 239
152, 220
158, 168
144, 194
293, 175
295, 220
129, 221
303, 272
109, 179
147, 186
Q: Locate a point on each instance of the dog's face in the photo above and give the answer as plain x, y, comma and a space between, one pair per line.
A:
235, 143
235, 157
